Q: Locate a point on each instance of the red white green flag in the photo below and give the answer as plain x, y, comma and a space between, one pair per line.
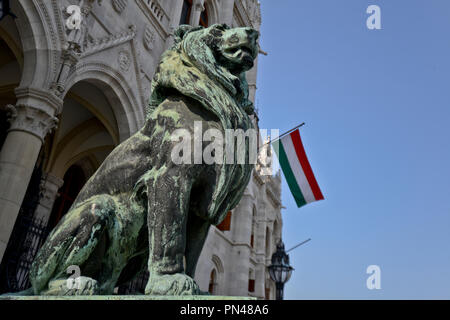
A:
296, 169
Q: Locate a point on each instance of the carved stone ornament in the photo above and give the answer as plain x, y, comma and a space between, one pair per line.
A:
264, 164
254, 11
119, 5
124, 60
94, 45
149, 38
32, 120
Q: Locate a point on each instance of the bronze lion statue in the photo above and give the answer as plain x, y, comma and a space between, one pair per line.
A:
140, 210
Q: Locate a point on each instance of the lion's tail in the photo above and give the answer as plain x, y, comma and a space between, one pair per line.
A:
47, 262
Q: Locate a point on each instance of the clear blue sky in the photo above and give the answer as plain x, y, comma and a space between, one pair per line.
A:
377, 109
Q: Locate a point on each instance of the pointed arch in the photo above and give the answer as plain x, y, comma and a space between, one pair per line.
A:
62, 155
127, 109
216, 275
39, 40
218, 263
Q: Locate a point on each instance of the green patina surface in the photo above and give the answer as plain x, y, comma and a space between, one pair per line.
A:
140, 211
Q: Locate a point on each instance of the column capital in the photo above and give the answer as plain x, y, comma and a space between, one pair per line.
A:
50, 185
30, 119
34, 111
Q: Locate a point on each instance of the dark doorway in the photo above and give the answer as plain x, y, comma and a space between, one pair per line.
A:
74, 180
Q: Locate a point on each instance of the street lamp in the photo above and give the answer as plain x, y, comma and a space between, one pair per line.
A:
280, 271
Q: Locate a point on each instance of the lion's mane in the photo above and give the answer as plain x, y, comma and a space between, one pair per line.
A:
191, 68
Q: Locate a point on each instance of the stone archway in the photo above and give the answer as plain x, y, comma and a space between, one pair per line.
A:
10, 73
88, 131
216, 286
127, 109
40, 43
212, 287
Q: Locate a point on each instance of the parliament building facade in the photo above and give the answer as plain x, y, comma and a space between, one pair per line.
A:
67, 99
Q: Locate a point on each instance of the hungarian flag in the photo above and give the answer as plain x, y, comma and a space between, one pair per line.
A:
296, 169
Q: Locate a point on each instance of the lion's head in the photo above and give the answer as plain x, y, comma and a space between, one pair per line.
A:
233, 49
221, 53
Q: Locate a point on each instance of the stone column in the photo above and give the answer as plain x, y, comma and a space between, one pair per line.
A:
197, 9
251, 79
226, 15
31, 119
260, 274
260, 243
241, 231
175, 16
49, 191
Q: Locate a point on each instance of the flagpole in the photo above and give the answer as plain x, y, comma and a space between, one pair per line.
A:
298, 245
286, 133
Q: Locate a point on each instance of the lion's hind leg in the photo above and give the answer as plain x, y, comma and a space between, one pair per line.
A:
78, 242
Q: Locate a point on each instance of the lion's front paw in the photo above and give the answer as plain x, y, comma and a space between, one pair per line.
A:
81, 286
177, 284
